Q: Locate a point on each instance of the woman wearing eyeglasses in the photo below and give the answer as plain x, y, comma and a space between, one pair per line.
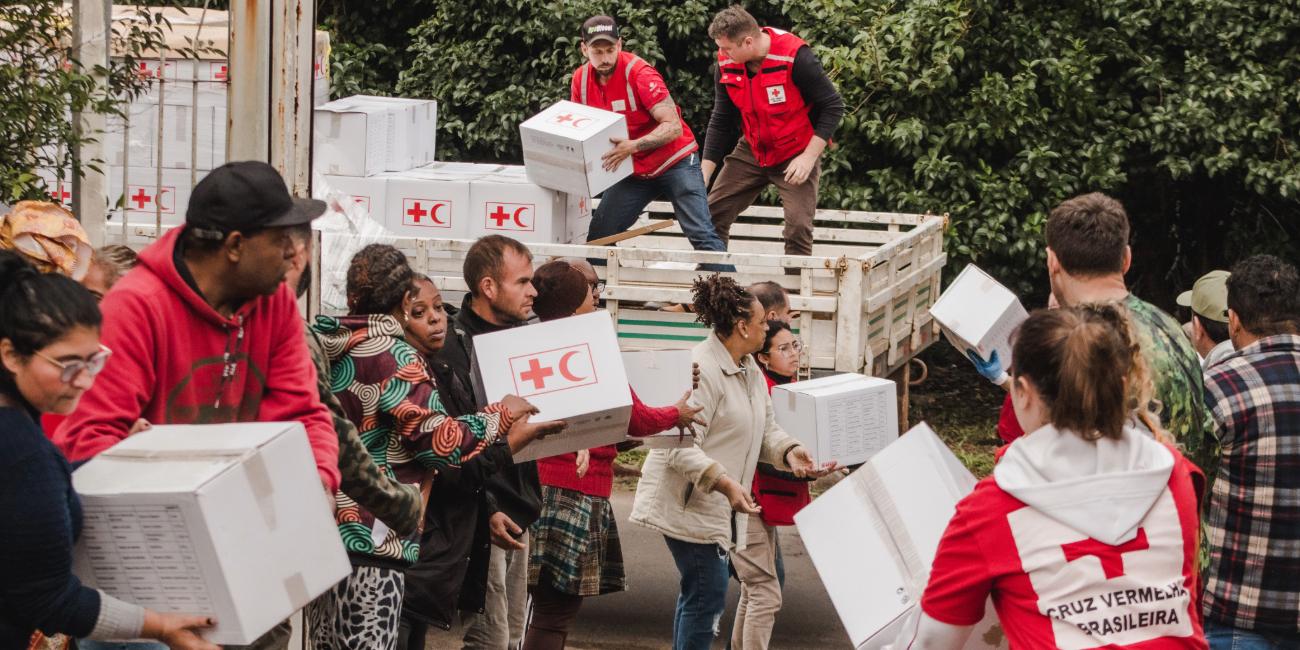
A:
49, 356
779, 495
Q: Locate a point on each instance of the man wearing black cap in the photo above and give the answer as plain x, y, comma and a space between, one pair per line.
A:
204, 331
665, 158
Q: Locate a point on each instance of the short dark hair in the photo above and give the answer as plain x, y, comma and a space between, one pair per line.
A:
1264, 292
39, 309
720, 303
774, 327
1089, 234
733, 23
487, 257
1216, 330
379, 278
561, 289
771, 294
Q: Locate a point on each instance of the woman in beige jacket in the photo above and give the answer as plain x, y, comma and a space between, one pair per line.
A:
690, 494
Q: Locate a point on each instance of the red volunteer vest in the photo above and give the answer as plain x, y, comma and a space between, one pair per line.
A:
619, 96
774, 117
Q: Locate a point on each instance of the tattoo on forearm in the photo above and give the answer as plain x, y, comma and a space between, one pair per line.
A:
662, 135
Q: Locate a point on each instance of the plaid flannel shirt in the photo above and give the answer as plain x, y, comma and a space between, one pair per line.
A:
1253, 520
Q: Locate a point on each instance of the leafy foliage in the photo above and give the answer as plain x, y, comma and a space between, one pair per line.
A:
42, 85
990, 111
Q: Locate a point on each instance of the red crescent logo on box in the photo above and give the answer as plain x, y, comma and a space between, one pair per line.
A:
575, 121
509, 216
426, 213
552, 371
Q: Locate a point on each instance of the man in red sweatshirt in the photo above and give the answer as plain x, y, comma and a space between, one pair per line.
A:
205, 331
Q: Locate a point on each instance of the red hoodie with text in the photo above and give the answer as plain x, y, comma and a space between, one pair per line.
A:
177, 361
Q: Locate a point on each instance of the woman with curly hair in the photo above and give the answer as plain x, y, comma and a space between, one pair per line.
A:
699, 497
386, 389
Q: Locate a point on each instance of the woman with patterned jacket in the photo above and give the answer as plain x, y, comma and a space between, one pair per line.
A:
387, 391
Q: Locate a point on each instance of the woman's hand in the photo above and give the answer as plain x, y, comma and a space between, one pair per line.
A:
803, 466
688, 416
522, 431
584, 462
737, 495
178, 631
518, 406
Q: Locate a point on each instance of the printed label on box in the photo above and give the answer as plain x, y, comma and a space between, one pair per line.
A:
510, 216
425, 213
553, 370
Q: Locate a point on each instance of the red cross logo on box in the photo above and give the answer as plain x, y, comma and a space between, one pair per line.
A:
575, 121
510, 216
553, 370
426, 213
1111, 557
143, 198
219, 72
61, 194
362, 202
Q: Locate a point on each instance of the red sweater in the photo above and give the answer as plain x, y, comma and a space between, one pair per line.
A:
168, 364
562, 471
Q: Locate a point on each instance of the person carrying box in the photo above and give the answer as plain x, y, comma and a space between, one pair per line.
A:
769, 88
665, 159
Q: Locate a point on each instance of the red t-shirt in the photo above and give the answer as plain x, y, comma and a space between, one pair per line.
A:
1054, 589
648, 85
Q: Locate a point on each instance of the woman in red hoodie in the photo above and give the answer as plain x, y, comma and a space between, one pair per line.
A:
575, 550
1086, 534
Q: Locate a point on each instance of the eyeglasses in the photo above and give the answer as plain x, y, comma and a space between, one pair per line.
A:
793, 347
73, 369
597, 287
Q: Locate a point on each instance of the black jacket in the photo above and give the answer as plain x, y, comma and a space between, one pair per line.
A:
455, 547
517, 492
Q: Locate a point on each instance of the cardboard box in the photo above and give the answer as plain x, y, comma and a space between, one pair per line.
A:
660, 378
58, 183
223, 520
185, 142
509, 205
370, 193
414, 136
563, 145
351, 137
977, 313
873, 537
423, 203
570, 369
845, 418
145, 198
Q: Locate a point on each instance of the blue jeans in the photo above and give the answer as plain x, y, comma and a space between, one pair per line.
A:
703, 593
1230, 638
683, 184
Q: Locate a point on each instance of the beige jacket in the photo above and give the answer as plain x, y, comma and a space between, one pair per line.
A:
675, 494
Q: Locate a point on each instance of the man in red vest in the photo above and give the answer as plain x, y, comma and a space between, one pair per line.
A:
770, 88
665, 158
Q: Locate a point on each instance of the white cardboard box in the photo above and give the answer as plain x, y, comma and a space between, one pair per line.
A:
223, 520
845, 418
977, 313
563, 144
358, 136
570, 369
422, 203
415, 133
145, 198
501, 204
370, 193
660, 378
873, 537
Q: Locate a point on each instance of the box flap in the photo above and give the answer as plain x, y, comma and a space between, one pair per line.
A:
972, 304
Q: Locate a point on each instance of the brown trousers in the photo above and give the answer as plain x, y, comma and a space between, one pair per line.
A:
739, 182
760, 590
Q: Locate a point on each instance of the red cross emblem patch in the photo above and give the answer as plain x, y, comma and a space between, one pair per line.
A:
776, 94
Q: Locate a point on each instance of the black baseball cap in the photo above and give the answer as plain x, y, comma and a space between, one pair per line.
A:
598, 28
246, 196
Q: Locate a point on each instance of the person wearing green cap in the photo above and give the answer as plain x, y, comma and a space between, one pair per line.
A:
1208, 300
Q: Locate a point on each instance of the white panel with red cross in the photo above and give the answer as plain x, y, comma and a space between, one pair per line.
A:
145, 199
570, 369
562, 146
507, 205
427, 206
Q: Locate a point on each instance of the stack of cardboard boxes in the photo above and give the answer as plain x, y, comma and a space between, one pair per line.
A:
375, 151
185, 103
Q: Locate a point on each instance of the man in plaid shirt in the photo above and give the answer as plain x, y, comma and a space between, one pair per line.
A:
1252, 586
